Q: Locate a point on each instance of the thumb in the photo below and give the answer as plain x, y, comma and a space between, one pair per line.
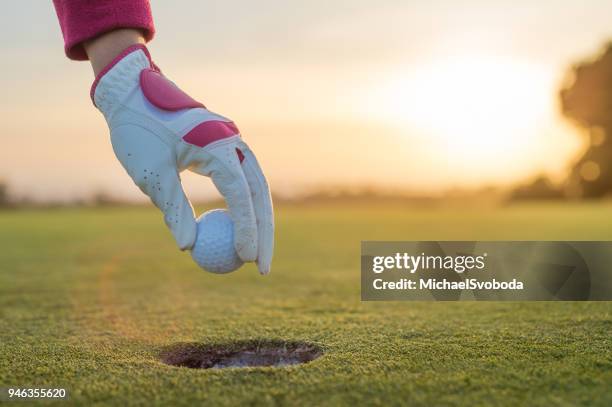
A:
163, 185
168, 195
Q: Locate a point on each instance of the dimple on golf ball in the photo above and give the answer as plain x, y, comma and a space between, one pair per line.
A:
214, 246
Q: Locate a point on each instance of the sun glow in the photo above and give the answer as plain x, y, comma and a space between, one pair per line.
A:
474, 106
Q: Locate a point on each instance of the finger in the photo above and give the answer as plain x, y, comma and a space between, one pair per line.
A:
178, 212
166, 191
229, 179
262, 205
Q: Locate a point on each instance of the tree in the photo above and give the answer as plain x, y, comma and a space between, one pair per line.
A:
539, 188
4, 196
587, 101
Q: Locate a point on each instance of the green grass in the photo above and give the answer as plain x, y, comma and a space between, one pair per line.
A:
89, 298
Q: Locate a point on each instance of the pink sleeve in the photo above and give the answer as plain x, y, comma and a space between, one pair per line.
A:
82, 20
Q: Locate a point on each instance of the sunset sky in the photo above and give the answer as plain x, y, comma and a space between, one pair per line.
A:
421, 95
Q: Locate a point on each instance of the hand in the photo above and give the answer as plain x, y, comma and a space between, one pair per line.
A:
157, 131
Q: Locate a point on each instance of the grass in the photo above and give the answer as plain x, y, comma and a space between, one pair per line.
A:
90, 297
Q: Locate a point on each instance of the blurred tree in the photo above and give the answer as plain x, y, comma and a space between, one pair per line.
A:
540, 188
587, 100
4, 196
102, 198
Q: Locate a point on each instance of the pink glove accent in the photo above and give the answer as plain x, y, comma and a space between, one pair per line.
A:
81, 20
207, 132
163, 93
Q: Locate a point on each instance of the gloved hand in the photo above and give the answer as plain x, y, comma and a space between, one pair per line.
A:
157, 131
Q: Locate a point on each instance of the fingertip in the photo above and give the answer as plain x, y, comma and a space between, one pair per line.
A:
186, 235
247, 251
264, 271
245, 239
183, 225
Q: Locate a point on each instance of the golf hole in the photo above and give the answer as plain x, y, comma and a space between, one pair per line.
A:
240, 354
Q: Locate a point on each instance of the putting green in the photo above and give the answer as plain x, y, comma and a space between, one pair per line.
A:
89, 298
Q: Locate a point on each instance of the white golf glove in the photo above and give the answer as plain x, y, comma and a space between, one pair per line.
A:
157, 131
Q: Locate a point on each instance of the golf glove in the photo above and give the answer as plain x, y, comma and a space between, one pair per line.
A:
158, 131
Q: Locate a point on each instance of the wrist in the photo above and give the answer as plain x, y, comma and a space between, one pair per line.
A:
103, 49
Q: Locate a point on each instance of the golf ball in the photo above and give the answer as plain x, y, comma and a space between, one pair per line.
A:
214, 246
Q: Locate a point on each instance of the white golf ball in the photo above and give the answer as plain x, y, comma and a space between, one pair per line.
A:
214, 246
